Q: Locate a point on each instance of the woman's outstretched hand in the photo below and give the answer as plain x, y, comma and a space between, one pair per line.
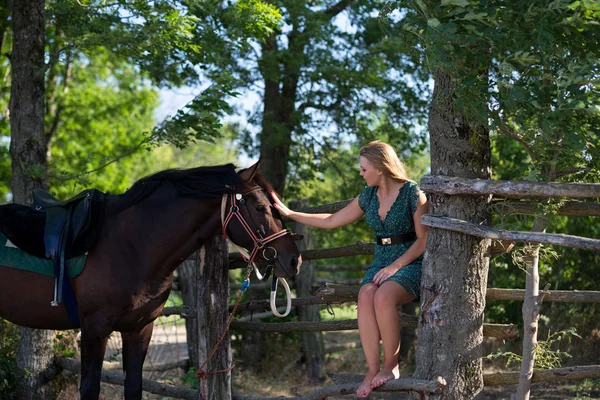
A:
282, 208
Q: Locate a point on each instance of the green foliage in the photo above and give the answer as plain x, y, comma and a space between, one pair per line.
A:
104, 117
545, 356
65, 343
190, 378
104, 62
528, 69
337, 74
9, 334
584, 387
199, 120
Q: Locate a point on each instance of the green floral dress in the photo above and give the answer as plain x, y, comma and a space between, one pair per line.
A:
398, 221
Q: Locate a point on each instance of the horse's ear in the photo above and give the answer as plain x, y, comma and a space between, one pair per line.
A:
249, 173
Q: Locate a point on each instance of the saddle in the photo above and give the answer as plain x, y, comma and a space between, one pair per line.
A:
57, 230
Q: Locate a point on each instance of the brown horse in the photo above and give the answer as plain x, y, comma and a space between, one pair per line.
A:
144, 235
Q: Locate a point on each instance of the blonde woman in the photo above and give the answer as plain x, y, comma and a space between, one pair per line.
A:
393, 206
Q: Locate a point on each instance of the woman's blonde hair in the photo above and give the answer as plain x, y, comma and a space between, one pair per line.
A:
384, 158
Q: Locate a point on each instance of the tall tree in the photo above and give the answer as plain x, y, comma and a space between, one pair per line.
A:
28, 155
328, 71
539, 89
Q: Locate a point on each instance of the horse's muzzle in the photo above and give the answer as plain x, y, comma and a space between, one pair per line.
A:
289, 265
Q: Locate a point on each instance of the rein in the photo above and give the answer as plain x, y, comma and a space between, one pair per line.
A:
259, 244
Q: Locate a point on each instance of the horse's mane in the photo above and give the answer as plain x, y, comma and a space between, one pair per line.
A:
202, 183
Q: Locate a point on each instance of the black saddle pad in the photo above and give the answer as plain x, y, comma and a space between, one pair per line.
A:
24, 227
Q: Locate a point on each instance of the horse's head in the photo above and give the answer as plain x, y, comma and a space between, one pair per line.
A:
250, 221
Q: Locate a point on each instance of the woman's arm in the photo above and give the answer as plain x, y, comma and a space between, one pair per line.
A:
343, 217
414, 251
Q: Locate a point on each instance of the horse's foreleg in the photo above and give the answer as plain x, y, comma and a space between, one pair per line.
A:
93, 347
135, 346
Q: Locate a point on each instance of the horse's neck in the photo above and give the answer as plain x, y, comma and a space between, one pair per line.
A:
165, 230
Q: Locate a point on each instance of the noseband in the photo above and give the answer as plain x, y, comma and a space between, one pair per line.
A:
259, 244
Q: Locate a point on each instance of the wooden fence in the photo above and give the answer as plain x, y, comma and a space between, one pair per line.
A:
506, 197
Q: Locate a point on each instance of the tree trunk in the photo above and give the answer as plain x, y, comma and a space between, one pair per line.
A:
313, 347
455, 266
212, 308
28, 144
274, 140
188, 285
279, 102
28, 156
531, 313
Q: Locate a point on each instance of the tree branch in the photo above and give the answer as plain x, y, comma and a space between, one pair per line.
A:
335, 9
127, 153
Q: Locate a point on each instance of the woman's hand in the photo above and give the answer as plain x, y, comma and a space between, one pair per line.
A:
282, 208
384, 274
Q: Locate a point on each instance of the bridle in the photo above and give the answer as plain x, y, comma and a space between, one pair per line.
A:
259, 243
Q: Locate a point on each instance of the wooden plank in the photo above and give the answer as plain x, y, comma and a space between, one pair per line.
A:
118, 378
395, 385
358, 249
544, 375
463, 186
500, 331
457, 225
559, 296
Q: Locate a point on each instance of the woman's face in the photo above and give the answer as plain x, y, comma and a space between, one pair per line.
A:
369, 173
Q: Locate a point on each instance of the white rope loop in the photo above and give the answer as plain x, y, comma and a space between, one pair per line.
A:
288, 295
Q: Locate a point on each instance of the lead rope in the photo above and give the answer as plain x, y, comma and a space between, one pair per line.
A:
200, 372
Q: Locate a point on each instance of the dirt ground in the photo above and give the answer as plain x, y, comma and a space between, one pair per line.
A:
351, 361
282, 375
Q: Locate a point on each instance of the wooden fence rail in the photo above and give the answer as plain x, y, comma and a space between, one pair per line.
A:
545, 375
499, 331
457, 225
333, 293
361, 248
118, 378
452, 185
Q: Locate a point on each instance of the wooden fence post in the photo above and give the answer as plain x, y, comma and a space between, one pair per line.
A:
212, 313
188, 286
313, 348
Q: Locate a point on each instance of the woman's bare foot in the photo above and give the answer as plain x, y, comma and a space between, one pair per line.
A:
364, 390
384, 375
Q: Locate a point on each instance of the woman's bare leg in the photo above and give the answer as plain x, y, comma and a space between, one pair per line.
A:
369, 335
389, 296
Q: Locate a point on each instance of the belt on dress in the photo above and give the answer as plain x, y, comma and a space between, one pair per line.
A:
396, 239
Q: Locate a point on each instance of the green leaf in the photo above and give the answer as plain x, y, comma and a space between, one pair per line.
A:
433, 22
459, 3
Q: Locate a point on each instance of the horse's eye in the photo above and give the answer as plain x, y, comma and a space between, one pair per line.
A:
261, 208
